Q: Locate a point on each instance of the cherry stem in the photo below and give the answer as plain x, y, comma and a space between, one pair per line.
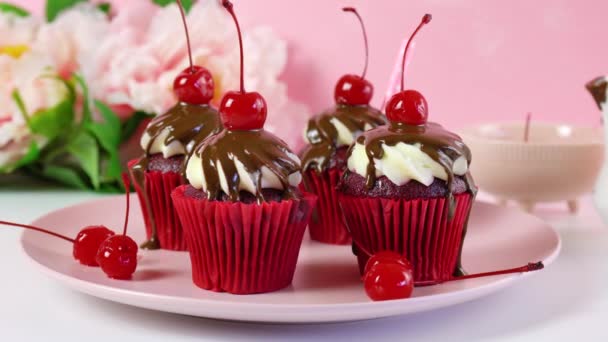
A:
530, 267
527, 127
38, 230
183, 13
127, 182
425, 20
354, 11
230, 8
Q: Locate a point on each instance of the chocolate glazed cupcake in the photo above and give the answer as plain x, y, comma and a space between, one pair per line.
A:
408, 189
324, 160
329, 135
167, 142
243, 215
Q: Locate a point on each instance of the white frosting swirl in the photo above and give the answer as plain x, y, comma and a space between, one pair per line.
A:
345, 136
196, 176
158, 145
403, 162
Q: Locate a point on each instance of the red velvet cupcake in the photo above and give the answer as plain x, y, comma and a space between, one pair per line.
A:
323, 161
408, 189
167, 143
243, 215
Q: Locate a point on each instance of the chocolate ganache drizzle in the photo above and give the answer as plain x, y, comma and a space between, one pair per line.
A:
256, 151
323, 134
443, 146
185, 123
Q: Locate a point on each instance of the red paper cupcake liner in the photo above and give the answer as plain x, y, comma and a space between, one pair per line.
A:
418, 229
243, 248
326, 224
158, 186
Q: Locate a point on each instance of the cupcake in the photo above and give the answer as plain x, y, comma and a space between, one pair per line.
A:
167, 142
243, 216
329, 135
408, 189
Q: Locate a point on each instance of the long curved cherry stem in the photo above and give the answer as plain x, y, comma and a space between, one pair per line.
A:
127, 182
425, 20
530, 267
183, 13
354, 11
230, 8
38, 230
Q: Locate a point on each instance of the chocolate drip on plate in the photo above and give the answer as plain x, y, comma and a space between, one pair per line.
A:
323, 135
186, 123
255, 150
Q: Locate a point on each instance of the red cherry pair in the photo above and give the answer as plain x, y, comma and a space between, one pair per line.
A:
99, 246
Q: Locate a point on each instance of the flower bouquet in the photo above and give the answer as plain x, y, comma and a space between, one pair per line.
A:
76, 83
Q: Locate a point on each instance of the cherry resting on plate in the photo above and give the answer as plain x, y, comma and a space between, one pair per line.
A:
354, 90
117, 255
84, 246
194, 85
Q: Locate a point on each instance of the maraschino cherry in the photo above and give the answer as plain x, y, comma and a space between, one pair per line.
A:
117, 255
389, 275
195, 84
408, 106
85, 245
351, 89
241, 110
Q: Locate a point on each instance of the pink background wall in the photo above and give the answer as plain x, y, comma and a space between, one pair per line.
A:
479, 60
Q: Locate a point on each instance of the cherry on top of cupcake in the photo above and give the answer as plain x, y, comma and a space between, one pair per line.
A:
243, 157
410, 148
194, 85
192, 119
242, 110
337, 127
409, 106
354, 90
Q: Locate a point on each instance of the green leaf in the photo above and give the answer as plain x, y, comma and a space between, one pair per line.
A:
163, 3
85, 151
65, 175
130, 126
32, 155
16, 10
54, 121
111, 168
86, 101
108, 131
105, 7
55, 7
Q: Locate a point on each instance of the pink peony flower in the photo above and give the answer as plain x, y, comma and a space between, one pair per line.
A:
136, 63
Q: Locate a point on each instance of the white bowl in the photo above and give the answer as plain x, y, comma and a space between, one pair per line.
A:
558, 163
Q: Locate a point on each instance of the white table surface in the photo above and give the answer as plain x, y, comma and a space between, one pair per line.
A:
568, 301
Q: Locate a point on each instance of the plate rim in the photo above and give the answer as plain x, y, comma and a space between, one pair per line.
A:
290, 313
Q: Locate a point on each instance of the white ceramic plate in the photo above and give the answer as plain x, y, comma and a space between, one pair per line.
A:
326, 288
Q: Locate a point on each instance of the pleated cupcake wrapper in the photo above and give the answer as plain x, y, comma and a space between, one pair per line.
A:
159, 186
326, 224
243, 248
418, 229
